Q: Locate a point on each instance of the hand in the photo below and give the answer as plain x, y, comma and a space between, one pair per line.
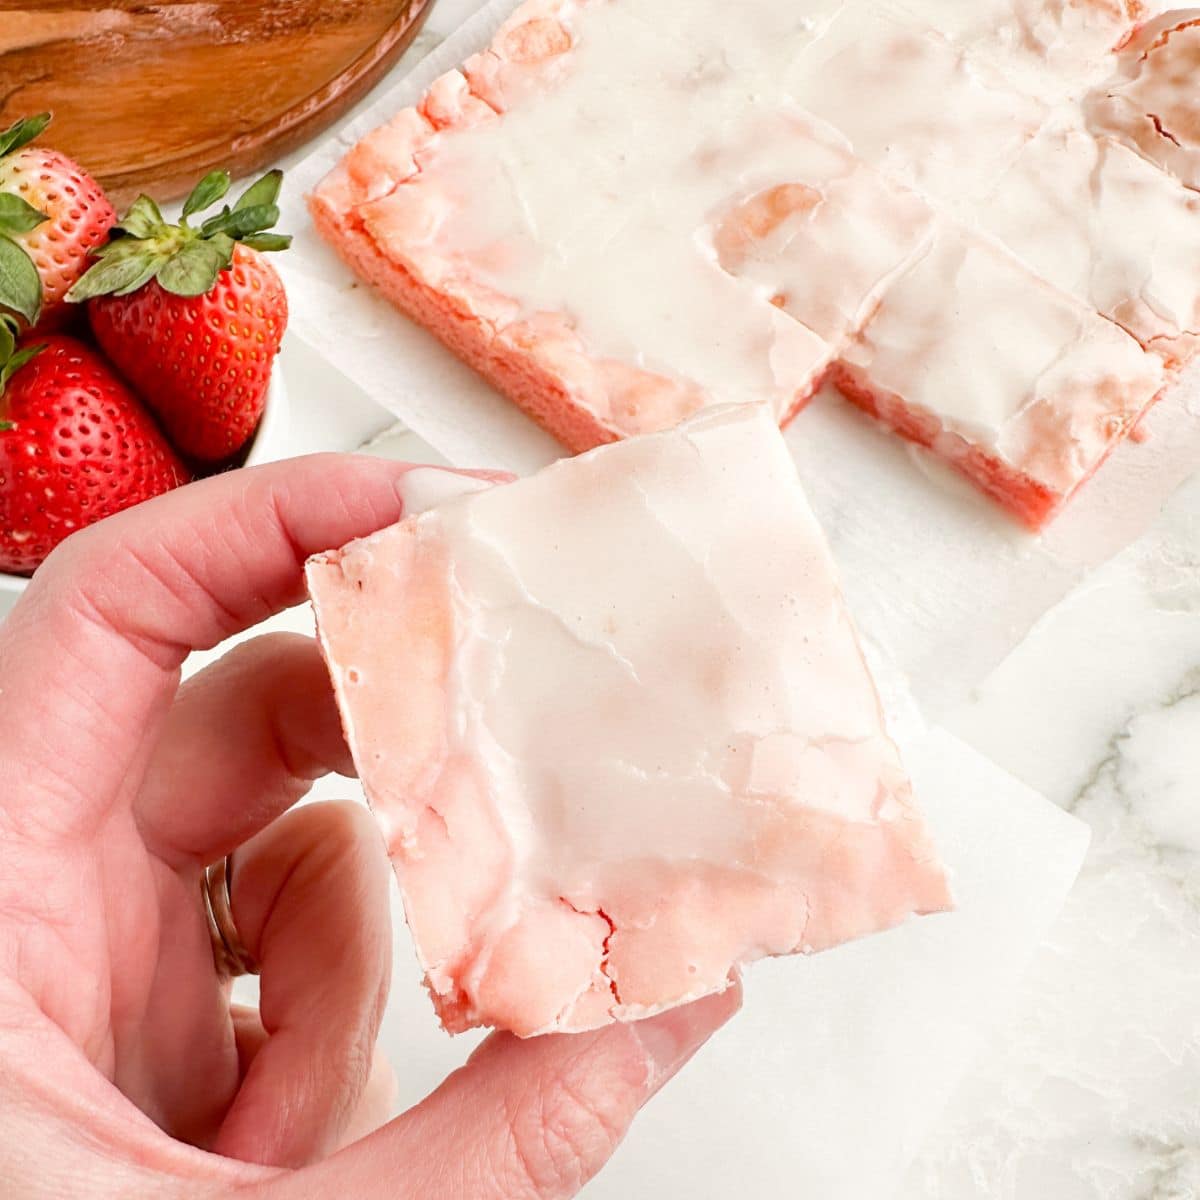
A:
124, 1071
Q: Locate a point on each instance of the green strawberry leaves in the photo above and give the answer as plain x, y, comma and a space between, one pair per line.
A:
194, 269
12, 359
252, 215
143, 220
18, 360
241, 222
264, 191
206, 193
185, 260
22, 132
17, 216
20, 284
124, 266
267, 241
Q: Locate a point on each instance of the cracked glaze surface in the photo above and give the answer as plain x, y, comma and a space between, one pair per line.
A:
1064, 207
618, 732
1154, 103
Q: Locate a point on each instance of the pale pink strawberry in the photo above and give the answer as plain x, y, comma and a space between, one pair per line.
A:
53, 216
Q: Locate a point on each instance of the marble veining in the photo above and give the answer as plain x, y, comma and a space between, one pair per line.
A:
1092, 1090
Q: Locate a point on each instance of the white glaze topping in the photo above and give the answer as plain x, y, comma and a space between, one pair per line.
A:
913, 103
592, 199
1051, 48
658, 193
597, 192
792, 240
696, 624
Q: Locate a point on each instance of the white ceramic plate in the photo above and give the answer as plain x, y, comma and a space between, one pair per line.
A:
269, 443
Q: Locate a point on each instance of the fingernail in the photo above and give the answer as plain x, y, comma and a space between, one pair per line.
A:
669, 1041
421, 488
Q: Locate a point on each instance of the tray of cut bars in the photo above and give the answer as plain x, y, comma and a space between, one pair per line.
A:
978, 224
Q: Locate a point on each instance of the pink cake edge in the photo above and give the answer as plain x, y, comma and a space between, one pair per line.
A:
522, 379
450, 1011
1026, 499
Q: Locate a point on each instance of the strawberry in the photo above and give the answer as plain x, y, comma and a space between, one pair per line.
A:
53, 215
75, 446
193, 317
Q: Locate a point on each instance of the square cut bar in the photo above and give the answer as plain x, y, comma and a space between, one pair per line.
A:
1101, 223
618, 732
1153, 102
545, 213
1018, 386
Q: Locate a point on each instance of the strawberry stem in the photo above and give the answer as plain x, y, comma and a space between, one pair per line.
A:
183, 259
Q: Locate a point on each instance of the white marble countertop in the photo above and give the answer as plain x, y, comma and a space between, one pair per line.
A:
1091, 1088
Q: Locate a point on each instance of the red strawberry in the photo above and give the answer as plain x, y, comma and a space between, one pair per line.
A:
193, 318
53, 215
75, 446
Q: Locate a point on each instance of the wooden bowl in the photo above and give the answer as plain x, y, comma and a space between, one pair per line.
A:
148, 97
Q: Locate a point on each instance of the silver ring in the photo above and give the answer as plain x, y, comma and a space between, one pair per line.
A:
230, 955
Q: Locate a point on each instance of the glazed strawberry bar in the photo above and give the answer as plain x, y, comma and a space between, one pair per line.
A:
1153, 103
1109, 228
1022, 389
617, 730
